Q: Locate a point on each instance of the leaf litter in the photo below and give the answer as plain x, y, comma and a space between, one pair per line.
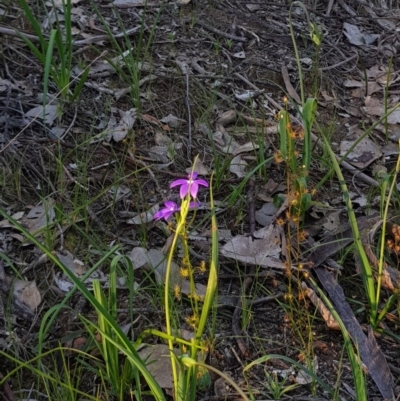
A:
231, 126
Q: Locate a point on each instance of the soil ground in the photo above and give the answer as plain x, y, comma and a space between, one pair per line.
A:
228, 48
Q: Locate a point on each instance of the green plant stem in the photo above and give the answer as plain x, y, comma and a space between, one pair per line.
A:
383, 234
386, 95
366, 269
179, 229
356, 142
296, 51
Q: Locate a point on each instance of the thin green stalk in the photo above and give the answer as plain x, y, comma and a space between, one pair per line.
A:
308, 117
366, 269
383, 235
47, 69
356, 142
179, 228
296, 51
39, 373
213, 274
386, 96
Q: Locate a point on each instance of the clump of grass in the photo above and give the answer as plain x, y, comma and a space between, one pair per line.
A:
119, 339
58, 67
133, 56
368, 272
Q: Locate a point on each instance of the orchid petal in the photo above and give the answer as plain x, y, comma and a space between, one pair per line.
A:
169, 209
184, 190
194, 188
175, 183
202, 182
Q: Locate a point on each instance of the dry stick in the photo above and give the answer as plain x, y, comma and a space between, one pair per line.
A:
187, 101
289, 87
71, 125
219, 32
184, 67
249, 278
363, 177
94, 39
347, 8
331, 67
329, 8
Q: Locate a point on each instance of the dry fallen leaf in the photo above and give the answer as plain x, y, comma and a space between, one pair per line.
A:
6, 223
199, 167
172, 121
356, 37
27, 292
145, 217
50, 114
158, 361
263, 251
39, 217
119, 131
227, 117
376, 107
266, 214
363, 154
154, 261
238, 166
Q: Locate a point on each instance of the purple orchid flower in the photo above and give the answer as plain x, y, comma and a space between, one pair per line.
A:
170, 208
165, 213
189, 185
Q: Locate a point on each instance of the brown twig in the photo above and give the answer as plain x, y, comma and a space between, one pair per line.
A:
219, 32
77, 43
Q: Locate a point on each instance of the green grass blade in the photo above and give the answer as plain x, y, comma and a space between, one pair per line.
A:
35, 25
366, 269
128, 347
39, 55
213, 275
283, 124
29, 365
47, 69
51, 314
308, 117
81, 82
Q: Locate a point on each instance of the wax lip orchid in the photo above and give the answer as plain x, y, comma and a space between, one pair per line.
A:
187, 380
189, 185
170, 208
